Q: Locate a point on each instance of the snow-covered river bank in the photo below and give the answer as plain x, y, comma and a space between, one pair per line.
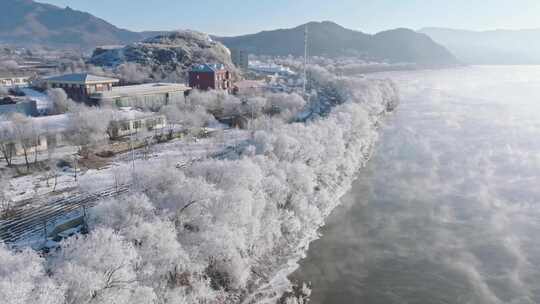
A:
215, 230
447, 210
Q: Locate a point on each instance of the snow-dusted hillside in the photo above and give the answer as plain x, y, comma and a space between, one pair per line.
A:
166, 54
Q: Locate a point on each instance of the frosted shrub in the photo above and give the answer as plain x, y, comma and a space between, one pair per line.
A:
88, 125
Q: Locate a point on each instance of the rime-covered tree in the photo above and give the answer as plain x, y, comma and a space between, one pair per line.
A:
60, 101
9, 65
3, 91
107, 275
7, 139
88, 126
23, 279
26, 135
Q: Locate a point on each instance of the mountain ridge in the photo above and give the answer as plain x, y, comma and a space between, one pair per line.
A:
26, 22
328, 38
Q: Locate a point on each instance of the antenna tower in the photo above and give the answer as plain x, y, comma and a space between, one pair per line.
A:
306, 36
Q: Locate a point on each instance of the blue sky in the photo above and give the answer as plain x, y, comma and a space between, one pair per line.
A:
235, 17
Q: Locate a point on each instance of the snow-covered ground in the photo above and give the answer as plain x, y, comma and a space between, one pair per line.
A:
35, 191
219, 230
177, 153
37, 186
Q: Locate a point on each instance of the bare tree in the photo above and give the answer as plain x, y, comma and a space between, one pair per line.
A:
75, 166
88, 126
5, 203
52, 163
53, 173
7, 149
26, 135
7, 146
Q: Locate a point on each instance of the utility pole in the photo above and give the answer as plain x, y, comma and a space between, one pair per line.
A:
306, 35
84, 220
75, 165
45, 230
132, 147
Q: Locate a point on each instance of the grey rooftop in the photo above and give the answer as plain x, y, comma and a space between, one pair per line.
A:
81, 78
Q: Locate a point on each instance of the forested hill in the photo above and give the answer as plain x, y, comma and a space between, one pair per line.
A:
332, 40
25, 22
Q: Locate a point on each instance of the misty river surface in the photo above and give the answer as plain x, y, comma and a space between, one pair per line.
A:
448, 209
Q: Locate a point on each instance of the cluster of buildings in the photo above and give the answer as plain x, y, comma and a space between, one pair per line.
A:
53, 131
270, 69
106, 91
98, 90
16, 103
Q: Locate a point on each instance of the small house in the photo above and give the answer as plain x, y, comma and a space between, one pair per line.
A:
14, 81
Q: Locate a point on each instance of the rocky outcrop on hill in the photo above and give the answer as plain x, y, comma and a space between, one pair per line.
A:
167, 55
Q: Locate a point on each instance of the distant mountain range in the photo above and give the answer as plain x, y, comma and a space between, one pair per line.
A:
490, 47
332, 40
25, 22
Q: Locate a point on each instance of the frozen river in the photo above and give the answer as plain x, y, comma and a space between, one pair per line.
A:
448, 210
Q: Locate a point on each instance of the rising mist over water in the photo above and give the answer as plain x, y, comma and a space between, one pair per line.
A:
447, 211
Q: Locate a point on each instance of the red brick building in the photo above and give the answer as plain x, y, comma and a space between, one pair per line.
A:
210, 77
